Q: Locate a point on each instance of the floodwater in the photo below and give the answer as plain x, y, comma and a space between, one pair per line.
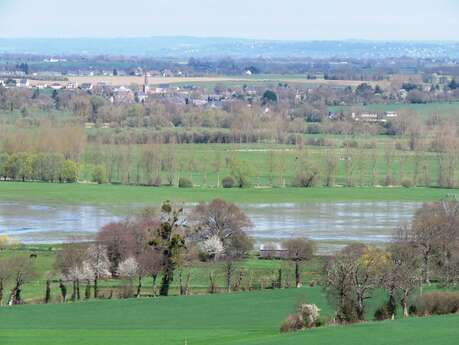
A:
331, 223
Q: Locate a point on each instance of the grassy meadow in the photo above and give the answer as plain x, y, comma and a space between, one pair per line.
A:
223, 318
444, 109
256, 273
241, 318
276, 165
119, 194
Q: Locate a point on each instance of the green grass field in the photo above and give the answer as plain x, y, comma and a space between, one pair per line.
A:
255, 272
269, 164
444, 109
118, 194
245, 318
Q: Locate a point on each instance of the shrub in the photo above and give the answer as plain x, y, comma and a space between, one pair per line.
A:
407, 183
307, 316
308, 179
69, 171
320, 142
382, 313
228, 182
436, 303
388, 181
310, 313
369, 145
185, 183
351, 143
399, 146
293, 323
99, 174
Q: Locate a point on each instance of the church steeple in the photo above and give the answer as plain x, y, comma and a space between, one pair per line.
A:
146, 87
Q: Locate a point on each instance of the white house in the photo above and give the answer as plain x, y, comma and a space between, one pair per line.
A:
391, 114
86, 87
23, 83
72, 85
56, 86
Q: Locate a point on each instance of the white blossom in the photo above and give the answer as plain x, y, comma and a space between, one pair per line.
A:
128, 268
213, 246
97, 261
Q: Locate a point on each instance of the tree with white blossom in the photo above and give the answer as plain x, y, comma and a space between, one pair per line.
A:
212, 247
98, 263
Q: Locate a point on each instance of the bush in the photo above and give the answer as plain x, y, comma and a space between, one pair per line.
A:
369, 145
307, 179
399, 146
185, 183
407, 183
382, 313
70, 171
228, 182
99, 174
351, 143
388, 181
307, 316
436, 303
293, 323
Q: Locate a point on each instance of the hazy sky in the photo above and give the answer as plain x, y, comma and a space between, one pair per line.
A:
270, 19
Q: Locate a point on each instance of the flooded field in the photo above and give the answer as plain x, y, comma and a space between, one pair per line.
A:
333, 224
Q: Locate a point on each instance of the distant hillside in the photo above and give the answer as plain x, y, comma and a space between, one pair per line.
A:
185, 47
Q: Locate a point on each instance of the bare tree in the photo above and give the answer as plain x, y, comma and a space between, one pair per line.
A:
331, 164
221, 219
23, 270
351, 277
405, 270
5, 274
299, 250
150, 264
69, 262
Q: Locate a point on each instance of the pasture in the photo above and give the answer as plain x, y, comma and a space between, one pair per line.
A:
444, 109
120, 194
274, 165
243, 318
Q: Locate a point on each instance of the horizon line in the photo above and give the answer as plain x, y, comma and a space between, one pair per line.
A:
114, 37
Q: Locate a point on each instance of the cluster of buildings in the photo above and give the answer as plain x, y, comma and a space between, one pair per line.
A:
180, 95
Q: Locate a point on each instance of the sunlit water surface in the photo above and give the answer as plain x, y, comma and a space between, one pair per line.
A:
333, 224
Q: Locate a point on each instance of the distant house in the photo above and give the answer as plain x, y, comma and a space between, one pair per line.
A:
23, 83
86, 86
122, 95
56, 86
72, 85
374, 117
403, 93
167, 73
200, 102
162, 88
41, 86
141, 96
10, 83
391, 114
